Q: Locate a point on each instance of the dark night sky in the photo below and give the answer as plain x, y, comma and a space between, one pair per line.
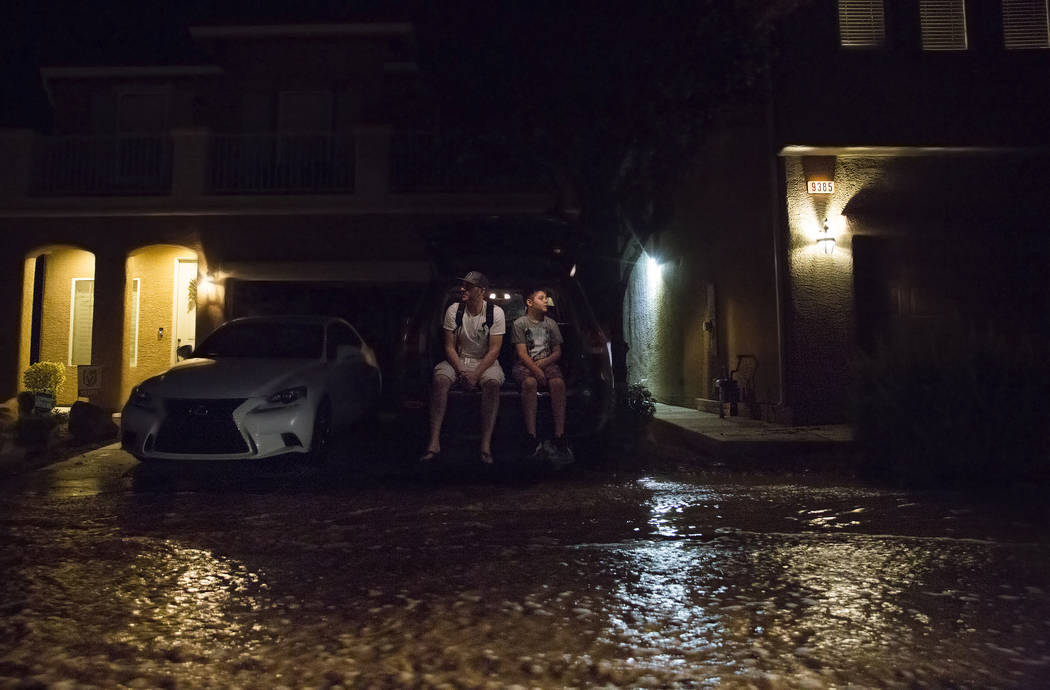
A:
113, 32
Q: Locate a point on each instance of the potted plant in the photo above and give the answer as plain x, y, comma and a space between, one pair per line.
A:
44, 378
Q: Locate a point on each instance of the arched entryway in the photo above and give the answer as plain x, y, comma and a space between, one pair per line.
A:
58, 299
160, 309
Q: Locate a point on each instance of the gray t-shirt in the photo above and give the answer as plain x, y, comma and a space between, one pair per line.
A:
539, 337
473, 338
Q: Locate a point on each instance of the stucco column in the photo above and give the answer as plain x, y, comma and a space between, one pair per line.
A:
189, 161
107, 336
12, 280
16, 152
371, 161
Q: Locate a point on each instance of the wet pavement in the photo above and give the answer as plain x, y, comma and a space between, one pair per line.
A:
655, 575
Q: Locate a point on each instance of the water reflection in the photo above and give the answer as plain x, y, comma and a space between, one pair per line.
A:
808, 608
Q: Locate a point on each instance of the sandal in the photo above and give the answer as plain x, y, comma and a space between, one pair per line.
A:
486, 458
430, 456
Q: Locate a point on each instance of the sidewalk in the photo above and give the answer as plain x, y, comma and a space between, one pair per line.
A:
744, 439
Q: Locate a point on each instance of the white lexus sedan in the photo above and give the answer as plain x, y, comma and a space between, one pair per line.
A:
255, 388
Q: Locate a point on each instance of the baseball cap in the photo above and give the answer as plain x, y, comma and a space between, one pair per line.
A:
476, 278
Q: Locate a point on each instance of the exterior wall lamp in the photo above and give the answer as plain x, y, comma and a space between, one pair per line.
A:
826, 239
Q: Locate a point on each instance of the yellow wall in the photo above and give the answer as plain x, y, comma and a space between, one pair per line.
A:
155, 269
25, 342
63, 265
716, 252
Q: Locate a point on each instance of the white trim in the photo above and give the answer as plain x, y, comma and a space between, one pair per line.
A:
175, 304
304, 30
136, 296
72, 314
131, 71
328, 271
876, 151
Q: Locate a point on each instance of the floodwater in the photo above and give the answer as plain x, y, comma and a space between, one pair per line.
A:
119, 575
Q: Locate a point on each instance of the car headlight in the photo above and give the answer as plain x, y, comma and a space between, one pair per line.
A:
287, 396
140, 398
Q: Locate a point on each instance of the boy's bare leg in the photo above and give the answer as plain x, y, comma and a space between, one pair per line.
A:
528, 404
557, 390
438, 403
489, 408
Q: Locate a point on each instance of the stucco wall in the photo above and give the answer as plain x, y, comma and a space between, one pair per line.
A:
25, 337
155, 269
63, 265
941, 239
820, 340
717, 266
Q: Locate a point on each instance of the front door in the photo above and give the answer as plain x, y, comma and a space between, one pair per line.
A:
185, 306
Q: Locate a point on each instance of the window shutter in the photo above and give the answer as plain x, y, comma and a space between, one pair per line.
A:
943, 24
1025, 24
862, 23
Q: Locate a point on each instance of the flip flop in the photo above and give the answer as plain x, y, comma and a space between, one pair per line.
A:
430, 456
486, 458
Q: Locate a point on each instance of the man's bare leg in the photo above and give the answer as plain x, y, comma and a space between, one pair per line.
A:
528, 404
438, 403
557, 390
489, 408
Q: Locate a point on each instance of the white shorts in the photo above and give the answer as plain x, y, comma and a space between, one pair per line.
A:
493, 373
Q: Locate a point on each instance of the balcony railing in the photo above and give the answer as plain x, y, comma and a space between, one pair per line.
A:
281, 164
424, 162
101, 165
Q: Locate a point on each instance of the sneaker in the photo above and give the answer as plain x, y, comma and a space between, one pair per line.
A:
530, 446
560, 453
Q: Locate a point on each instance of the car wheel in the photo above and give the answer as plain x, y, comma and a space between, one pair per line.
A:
321, 442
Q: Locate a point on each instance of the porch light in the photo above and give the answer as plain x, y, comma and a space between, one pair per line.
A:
826, 239
653, 273
205, 288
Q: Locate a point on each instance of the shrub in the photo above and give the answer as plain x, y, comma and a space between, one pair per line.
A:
639, 402
44, 377
955, 410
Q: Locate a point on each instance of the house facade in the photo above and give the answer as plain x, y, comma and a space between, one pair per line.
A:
891, 182
287, 168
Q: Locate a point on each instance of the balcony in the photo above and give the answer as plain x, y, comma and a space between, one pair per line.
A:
371, 170
101, 165
281, 164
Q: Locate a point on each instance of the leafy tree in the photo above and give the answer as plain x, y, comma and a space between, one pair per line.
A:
617, 96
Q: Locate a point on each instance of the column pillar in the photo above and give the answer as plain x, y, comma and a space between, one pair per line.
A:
16, 152
107, 334
371, 162
189, 161
12, 282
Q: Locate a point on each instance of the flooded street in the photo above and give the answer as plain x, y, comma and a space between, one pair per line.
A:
116, 574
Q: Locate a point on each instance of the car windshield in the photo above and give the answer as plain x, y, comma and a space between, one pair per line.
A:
264, 339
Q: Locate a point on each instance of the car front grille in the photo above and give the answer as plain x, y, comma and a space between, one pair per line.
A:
200, 426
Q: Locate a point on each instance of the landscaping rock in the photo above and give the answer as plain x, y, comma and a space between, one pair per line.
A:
89, 423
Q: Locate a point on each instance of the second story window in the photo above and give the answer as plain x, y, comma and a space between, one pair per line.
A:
862, 24
304, 111
943, 24
142, 112
1025, 25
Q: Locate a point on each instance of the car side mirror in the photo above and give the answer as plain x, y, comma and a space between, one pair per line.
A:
184, 351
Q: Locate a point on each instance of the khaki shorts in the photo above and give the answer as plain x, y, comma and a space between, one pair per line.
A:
519, 372
493, 373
